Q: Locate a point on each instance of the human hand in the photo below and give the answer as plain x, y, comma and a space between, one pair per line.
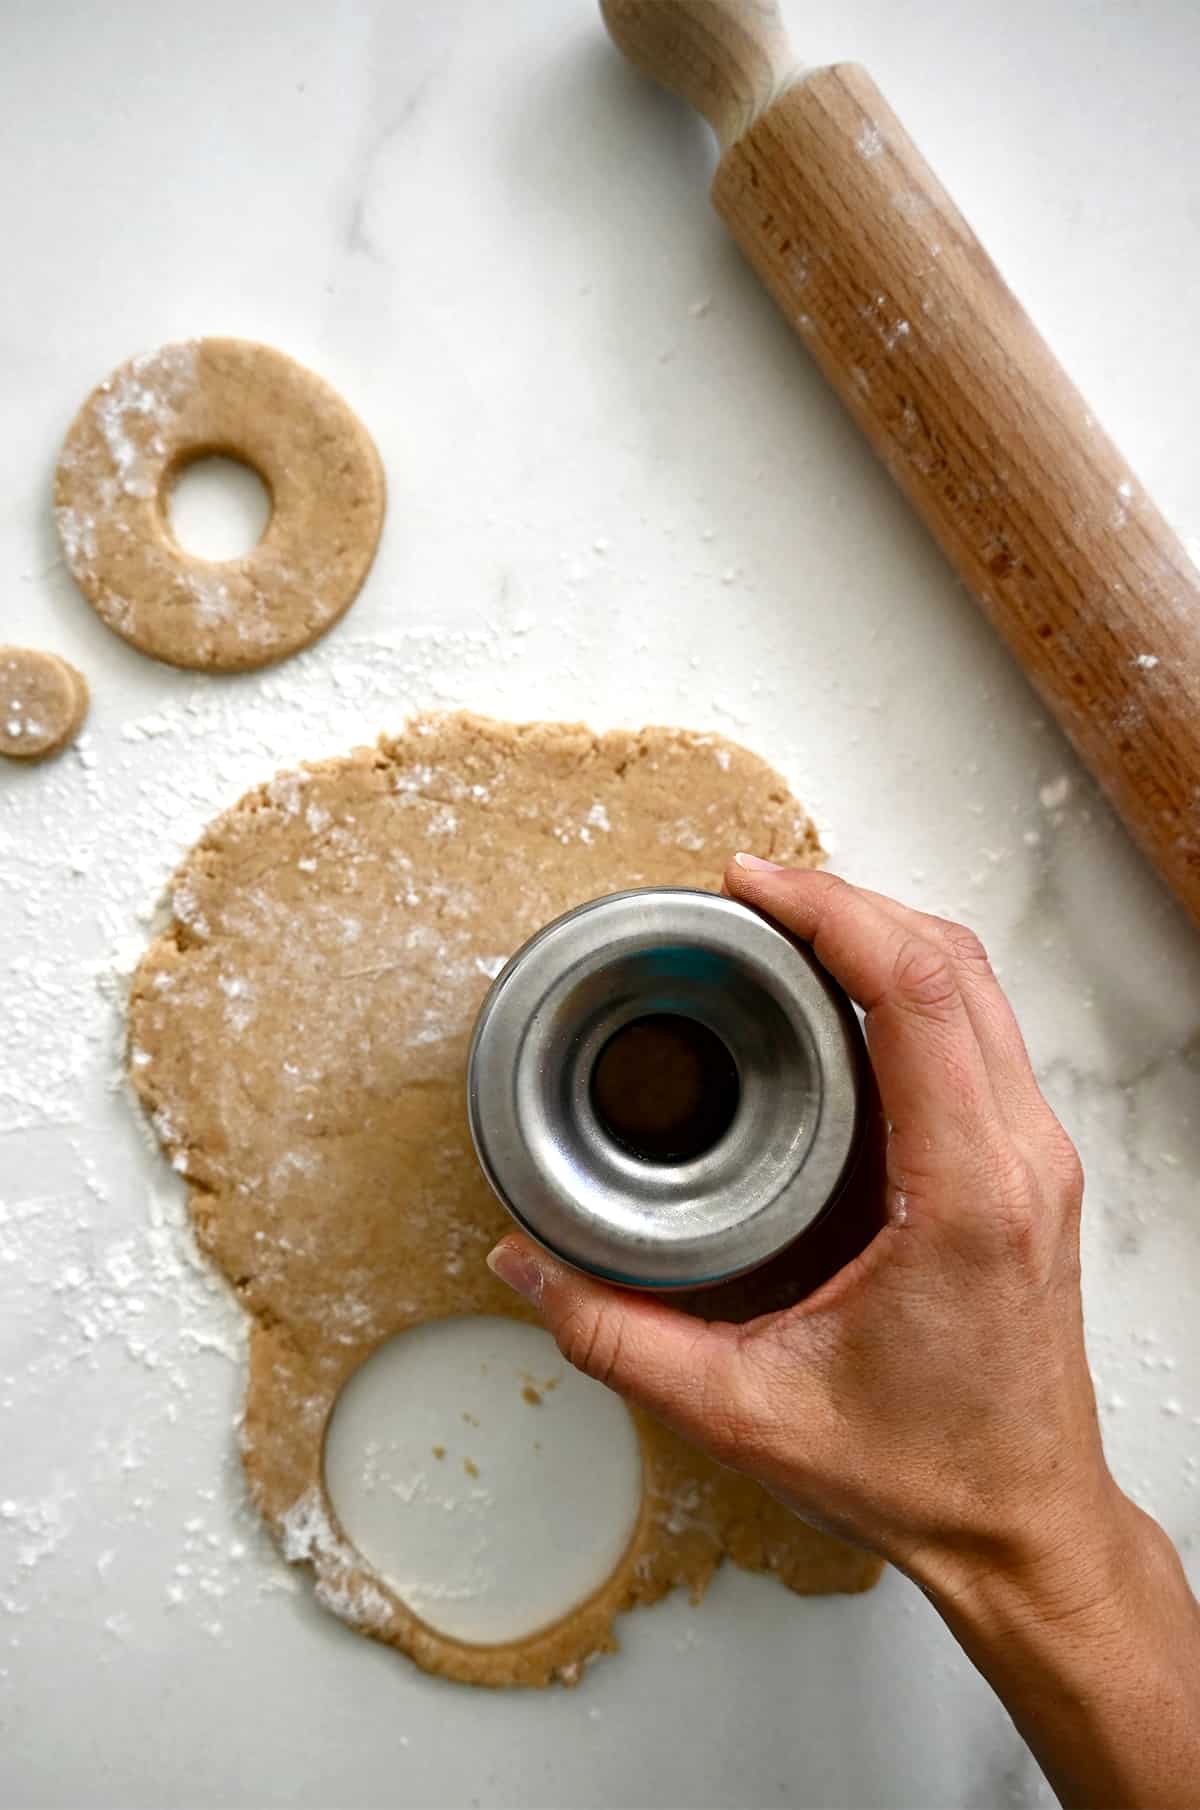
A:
931, 1400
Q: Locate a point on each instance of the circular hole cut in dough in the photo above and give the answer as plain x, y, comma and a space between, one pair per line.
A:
218, 508
492, 1487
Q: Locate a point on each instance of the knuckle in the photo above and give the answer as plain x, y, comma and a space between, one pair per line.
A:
1066, 1165
832, 885
833, 893
967, 949
1013, 1188
590, 1340
1009, 1175
923, 978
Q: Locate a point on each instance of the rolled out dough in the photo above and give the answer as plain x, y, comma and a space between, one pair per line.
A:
299, 1039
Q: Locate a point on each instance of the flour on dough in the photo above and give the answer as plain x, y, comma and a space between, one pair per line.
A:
299, 1039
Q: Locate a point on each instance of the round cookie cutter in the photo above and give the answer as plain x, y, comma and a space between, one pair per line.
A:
770, 1171
124, 451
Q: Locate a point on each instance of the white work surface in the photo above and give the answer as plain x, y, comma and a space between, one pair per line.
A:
618, 491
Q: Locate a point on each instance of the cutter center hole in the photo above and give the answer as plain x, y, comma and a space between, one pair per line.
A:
218, 508
665, 1088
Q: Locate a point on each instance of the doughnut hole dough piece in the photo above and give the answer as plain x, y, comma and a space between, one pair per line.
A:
299, 1039
43, 702
128, 444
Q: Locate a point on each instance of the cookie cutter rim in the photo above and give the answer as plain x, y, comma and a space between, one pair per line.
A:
791, 1030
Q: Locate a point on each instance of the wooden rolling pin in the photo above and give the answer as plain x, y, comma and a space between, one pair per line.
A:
912, 324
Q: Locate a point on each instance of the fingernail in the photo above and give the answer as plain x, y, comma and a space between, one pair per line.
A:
757, 865
520, 1271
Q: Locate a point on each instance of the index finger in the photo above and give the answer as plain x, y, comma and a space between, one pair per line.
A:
999, 1035
930, 1069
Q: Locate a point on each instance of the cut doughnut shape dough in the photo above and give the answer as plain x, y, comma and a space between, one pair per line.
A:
142, 427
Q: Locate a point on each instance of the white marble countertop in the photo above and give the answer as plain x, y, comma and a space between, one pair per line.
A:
618, 492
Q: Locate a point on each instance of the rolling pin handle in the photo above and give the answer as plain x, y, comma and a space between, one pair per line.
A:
729, 59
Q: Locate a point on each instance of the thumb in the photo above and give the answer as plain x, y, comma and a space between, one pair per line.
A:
689, 1373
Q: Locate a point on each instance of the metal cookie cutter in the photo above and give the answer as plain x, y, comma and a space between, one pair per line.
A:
664, 1088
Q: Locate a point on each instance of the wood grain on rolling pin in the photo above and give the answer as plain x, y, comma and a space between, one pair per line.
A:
915, 328
912, 324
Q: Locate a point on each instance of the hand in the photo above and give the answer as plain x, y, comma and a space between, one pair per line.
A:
932, 1400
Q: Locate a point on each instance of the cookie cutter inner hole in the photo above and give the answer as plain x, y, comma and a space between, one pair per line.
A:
216, 506
489, 1485
665, 1087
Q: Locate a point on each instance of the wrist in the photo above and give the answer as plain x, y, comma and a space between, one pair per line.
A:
1071, 1566
1090, 1635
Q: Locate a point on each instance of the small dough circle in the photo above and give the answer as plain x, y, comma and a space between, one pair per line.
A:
134, 435
43, 702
